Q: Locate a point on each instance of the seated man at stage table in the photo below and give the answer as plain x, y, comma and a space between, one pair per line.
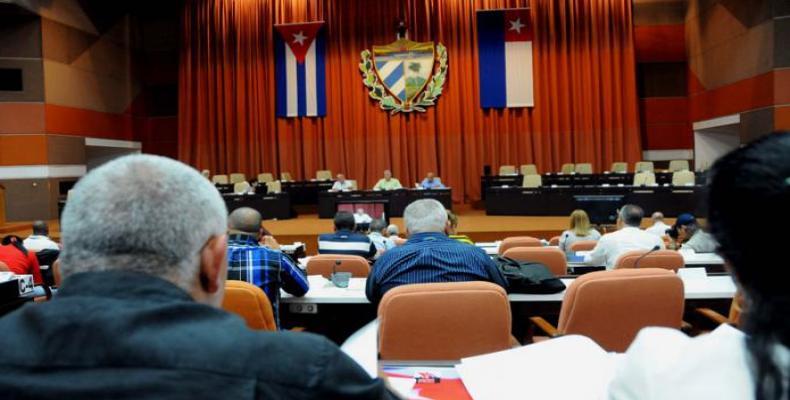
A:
341, 184
138, 314
628, 237
387, 182
429, 256
345, 240
262, 265
431, 182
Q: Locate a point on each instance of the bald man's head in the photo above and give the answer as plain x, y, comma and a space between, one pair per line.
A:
245, 220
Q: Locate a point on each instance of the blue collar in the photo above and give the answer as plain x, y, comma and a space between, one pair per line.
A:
427, 236
242, 238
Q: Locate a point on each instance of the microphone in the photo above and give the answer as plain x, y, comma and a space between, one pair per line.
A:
636, 263
334, 267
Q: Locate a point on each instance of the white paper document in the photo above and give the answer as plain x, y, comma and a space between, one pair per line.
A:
569, 367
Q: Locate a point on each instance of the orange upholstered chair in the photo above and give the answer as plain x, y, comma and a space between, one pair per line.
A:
249, 302
518, 241
610, 307
667, 259
551, 257
734, 318
324, 264
583, 245
443, 321
554, 241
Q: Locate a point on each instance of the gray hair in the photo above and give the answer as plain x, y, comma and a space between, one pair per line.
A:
657, 216
393, 230
631, 215
425, 215
141, 213
377, 225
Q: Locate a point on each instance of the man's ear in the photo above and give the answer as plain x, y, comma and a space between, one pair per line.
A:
213, 264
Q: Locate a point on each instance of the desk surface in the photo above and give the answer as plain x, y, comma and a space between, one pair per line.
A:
322, 291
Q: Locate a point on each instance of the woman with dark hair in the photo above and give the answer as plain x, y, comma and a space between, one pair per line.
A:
728, 363
18, 259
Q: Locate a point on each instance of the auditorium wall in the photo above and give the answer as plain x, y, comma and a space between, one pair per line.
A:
93, 74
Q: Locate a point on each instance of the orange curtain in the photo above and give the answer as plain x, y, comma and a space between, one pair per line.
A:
584, 74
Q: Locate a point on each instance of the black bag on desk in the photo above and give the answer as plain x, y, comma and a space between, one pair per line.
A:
528, 277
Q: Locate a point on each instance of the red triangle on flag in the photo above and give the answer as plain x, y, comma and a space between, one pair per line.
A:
299, 37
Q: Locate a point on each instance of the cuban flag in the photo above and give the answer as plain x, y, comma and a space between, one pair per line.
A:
300, 72
504, 40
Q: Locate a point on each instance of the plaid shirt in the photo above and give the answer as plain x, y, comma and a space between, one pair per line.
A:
266, 268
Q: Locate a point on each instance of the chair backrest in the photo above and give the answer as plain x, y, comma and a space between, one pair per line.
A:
4, 267
324, 264
567, 168
554, 241
274, 187
683, 178
237, 177
620, 167
644, 179
285, 176
583, 245
518, 241
528, 169
584, 168
56, 276
665, 259
265, 177
551, 257
241, 187
532, 181
323, 175
221, 179
249, 302
507, 170
678, 165
610, 307
643, 166
461, 319
353, 183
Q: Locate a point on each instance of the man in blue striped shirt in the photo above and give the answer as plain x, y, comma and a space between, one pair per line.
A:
344, 240
251, 262
429, 256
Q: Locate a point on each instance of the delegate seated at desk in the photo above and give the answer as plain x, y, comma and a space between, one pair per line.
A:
431, 182
341, 184
429, 256
387, 182
627, 238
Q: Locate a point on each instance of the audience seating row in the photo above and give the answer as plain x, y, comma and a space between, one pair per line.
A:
679, 178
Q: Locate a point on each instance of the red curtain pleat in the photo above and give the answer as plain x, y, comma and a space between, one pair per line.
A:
584, 76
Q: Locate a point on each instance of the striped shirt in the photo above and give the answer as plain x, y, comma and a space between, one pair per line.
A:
346, 242
430, 258
266, 268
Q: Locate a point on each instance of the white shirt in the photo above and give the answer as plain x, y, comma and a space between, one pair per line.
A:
363, 218
38, 243
664, 363
659, 229
613, 245
569, 237
341, 186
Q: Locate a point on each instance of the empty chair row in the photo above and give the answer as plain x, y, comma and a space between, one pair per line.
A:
680, 178
586, 168
265, 177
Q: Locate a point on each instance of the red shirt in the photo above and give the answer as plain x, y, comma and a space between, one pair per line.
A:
21, 264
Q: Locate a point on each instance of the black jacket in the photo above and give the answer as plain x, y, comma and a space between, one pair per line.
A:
125, 335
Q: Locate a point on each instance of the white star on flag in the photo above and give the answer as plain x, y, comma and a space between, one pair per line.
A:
516, 25
300, 37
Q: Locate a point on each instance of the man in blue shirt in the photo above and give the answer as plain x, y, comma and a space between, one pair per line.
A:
429, 256
344, 240
251, 262
431, 182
